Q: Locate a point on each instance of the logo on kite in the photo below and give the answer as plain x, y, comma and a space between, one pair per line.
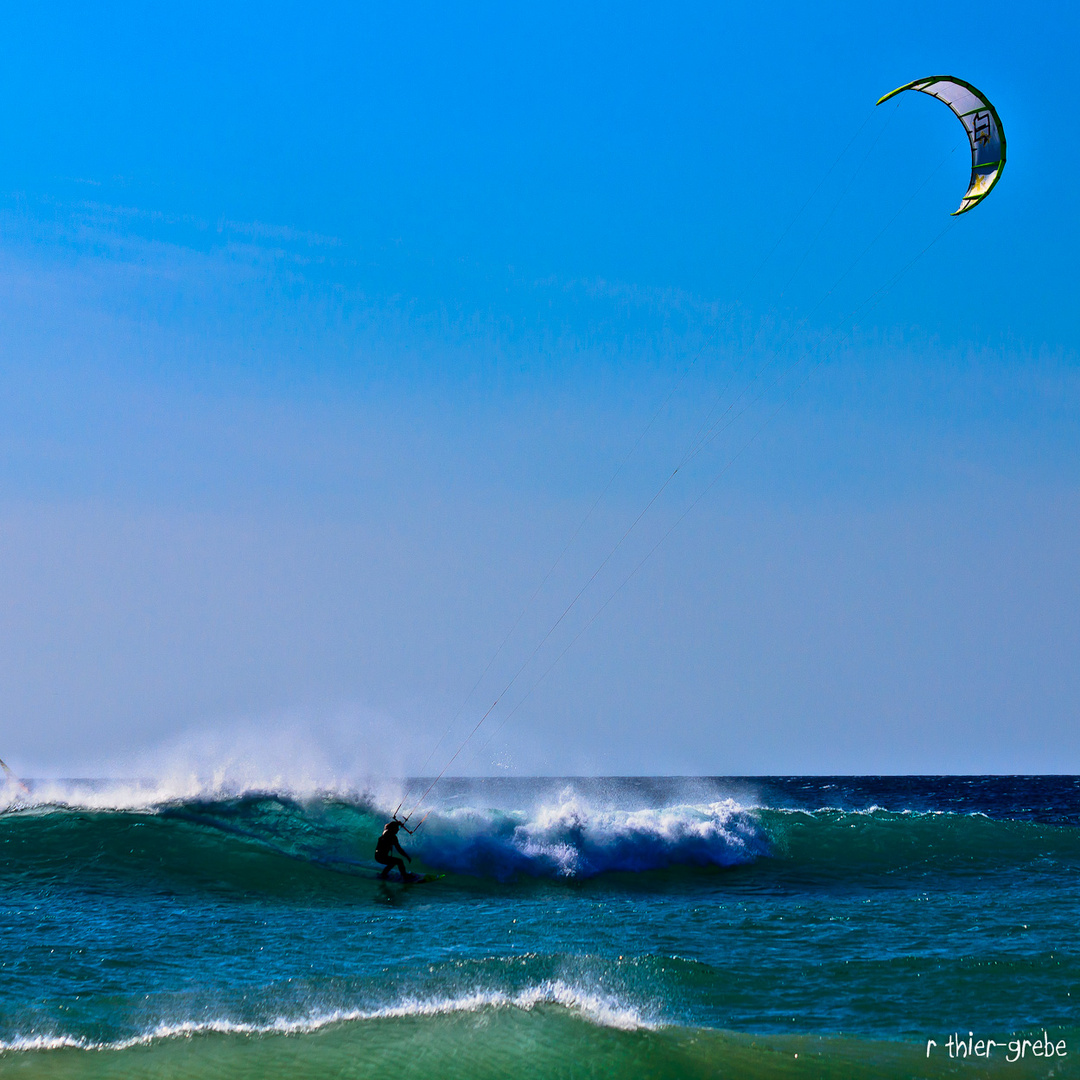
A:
982, 123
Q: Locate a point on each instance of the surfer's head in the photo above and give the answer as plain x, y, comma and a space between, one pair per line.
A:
393, 826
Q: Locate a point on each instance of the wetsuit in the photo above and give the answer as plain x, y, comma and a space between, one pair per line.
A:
384, 850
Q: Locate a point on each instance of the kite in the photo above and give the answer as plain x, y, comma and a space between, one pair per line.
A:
982, 123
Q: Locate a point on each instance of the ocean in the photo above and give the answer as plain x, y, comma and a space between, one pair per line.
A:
640, 927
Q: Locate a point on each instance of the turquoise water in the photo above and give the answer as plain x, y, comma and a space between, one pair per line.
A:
772, 927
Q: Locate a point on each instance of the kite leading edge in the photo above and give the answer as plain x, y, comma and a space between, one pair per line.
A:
983, 126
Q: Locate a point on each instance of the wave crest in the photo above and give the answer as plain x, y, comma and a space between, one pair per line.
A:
602, 1010
571, 839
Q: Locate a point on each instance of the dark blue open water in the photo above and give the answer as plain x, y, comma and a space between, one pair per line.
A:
824, 926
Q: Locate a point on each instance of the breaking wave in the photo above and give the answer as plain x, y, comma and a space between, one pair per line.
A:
564, 837
572, 839
604, 1011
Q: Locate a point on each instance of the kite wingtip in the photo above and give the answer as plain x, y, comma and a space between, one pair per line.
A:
898, 90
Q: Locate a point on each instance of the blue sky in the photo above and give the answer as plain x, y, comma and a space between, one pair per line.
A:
322, 332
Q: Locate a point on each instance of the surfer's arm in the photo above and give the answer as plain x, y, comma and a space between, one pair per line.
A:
403, 851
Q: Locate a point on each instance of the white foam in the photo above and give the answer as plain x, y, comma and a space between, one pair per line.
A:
599, 1009
571, 838
874, 810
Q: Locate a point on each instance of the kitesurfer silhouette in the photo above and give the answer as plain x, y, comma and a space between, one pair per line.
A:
385, 847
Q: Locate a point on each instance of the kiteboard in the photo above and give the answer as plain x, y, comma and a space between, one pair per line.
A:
409, 879
420, 879
360, 868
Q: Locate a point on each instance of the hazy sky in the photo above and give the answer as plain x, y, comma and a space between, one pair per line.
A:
322, 333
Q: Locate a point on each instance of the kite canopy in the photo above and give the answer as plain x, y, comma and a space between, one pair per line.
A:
983, 126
